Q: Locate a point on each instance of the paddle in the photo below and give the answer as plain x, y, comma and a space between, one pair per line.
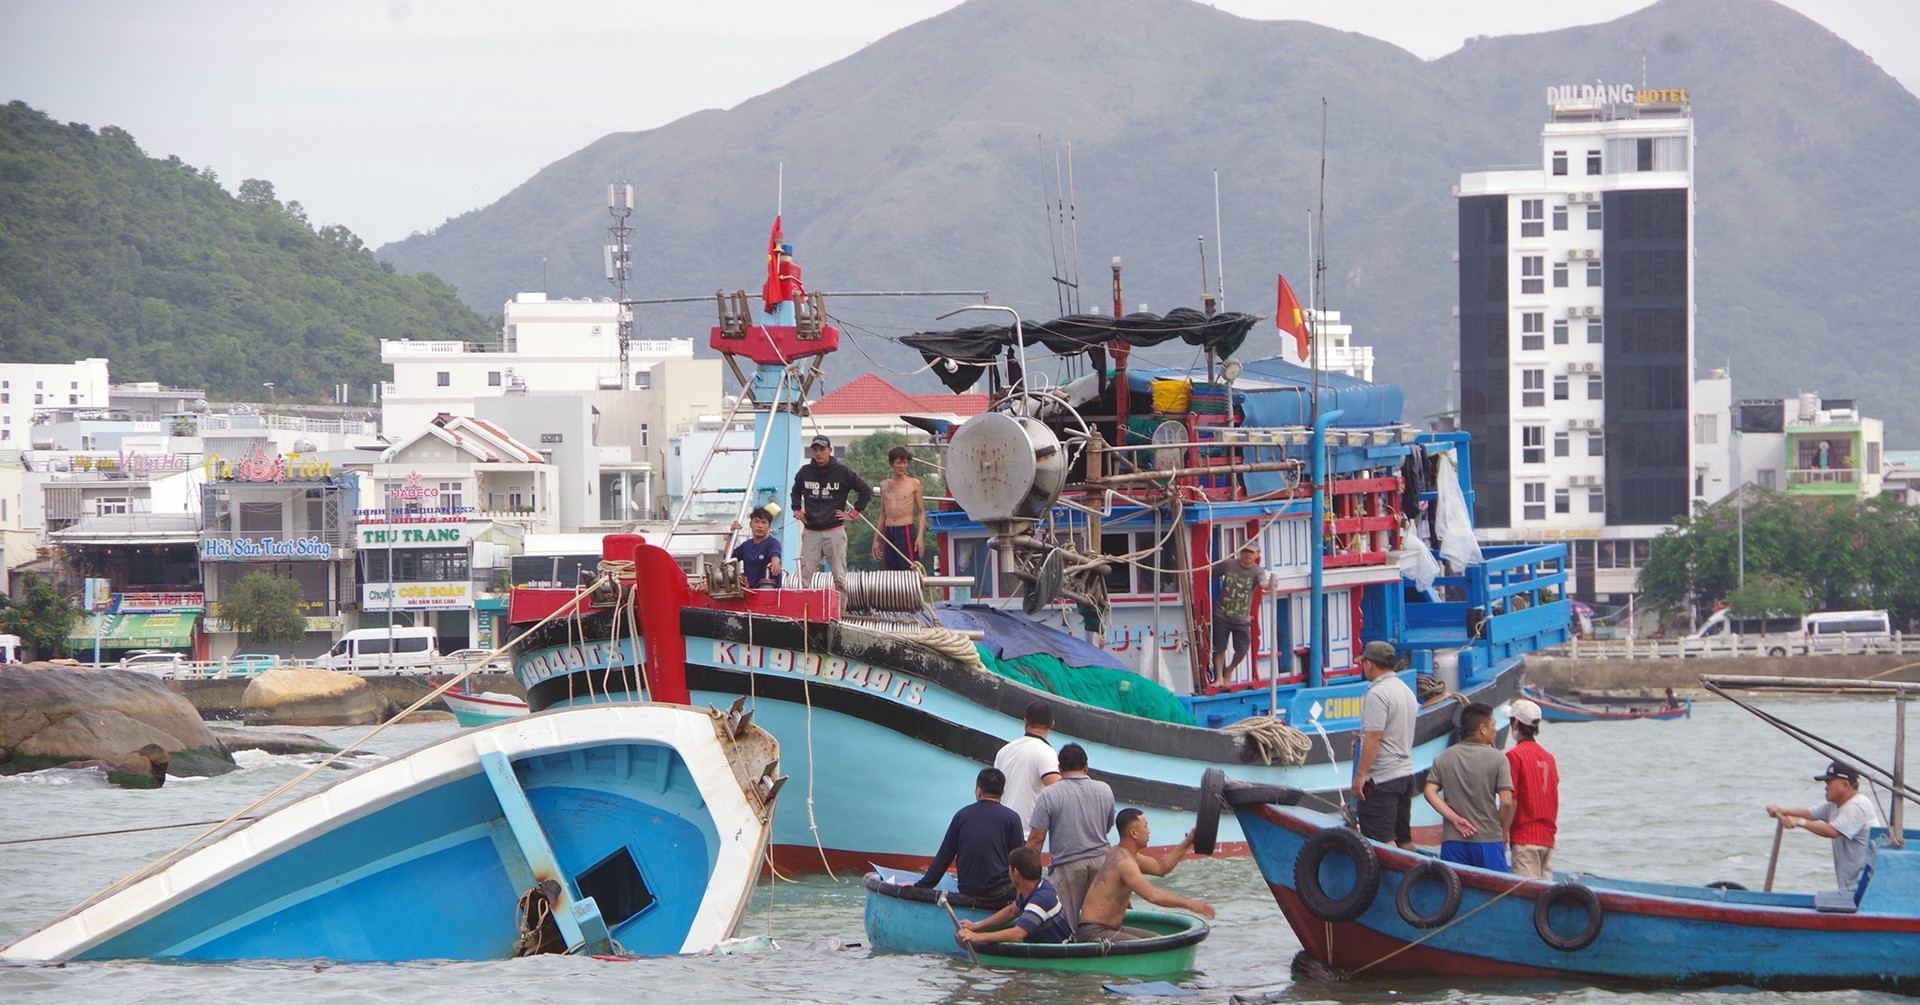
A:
975, 957
1779, 828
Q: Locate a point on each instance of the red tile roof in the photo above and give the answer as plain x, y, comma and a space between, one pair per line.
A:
870, 394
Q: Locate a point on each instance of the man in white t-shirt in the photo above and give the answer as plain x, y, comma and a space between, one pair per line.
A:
1846, 817
1029, 763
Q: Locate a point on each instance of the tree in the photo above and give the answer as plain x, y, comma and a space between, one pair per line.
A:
42, 615
868, 457
263, 607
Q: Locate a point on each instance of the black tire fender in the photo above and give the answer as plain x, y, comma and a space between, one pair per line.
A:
1206, 822
1366, 868
1449, 881
1575, 893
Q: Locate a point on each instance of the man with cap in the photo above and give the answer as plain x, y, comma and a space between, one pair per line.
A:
1536, 795
820, 492
1846, 817
1383, 768
1235, 580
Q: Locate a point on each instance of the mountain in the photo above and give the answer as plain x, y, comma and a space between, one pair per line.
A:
105, 251
919, 162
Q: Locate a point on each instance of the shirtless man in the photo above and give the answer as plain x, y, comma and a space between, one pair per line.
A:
1123, 874
903, 516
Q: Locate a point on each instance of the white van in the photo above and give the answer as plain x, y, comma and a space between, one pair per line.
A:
412, 650
1776, 636
1847, 631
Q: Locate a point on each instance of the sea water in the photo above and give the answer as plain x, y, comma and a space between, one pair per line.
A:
1681, 801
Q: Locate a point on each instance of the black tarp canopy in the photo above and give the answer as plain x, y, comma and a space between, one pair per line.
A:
971, 350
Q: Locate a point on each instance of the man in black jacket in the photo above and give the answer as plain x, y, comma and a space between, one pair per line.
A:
820, 497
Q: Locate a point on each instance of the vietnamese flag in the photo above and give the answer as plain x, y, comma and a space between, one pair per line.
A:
770, 293
1291, 319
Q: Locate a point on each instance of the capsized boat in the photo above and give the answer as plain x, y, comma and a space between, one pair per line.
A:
482, 708
1361, 908
903, 918
1557, 709
887, 706
628, 828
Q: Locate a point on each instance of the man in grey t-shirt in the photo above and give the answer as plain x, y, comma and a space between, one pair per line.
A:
1847, 816
1077, 812
1383, 769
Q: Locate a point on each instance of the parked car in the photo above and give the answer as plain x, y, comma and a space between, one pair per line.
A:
251, 663
153, 660
461, 659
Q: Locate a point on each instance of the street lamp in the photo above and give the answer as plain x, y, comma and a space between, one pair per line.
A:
269, 386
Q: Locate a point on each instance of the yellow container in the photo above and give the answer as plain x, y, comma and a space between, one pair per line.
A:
1171, 395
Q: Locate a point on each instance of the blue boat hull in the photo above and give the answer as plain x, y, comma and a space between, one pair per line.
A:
1653, 933
636, 809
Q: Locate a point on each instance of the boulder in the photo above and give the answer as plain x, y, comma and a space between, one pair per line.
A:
145, 768
268, 741
54, 715
302, 697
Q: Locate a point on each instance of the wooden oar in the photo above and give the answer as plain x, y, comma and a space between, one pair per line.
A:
1779, 828
975, 957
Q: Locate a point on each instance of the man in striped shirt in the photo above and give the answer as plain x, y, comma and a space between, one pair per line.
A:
1035, 911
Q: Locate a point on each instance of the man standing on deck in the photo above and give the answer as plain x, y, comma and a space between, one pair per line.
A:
903, 516
1536, 796
978, 839
1477, 806
1846, 817
1077, 811
1123, 873
820, 492
1233, 610
1383, 769
1029, 762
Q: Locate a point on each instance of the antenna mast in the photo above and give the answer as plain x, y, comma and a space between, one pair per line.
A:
1319, 280
620, 267
1219, 247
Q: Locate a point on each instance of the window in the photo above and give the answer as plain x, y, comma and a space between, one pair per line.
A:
1532, 326
1559, 333
1533, 446
1596, 444
643, 379
1559, 394
493, 378
1534, 495
1533, 271
1594, 216
1594, 331
110, 506
1596, 500
516, 500
6, 434
1532, 383
1533, 218
644, 437
39, 385
1560, 217
1561, 440
5, 398
1593, 273
74, 385
444, 378
1706, 429
1643, 154
1563, 500
39, 399
1560, 162
450, 496
1593, 162
1765, 478
1595, 388
1560, 275
260, 516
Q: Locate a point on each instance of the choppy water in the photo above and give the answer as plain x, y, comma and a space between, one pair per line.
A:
1678, 801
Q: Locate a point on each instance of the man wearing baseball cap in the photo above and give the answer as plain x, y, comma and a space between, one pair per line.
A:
1847, 816
1383, 769
1536, 794
820, 492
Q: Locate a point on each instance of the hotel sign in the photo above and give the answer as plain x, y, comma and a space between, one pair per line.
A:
416, 596
1592, 95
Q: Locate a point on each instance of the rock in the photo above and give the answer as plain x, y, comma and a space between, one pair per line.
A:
268, 741
145, 768
53, 715
301, 697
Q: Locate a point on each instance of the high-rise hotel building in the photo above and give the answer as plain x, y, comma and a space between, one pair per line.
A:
1576, 332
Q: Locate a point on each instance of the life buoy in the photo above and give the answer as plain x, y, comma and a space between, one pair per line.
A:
1206, 823
1576, 894
1366, 874
1449, 881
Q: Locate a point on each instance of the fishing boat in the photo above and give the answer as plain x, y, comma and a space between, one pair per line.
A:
1556, 709
903, 918
1068, 534
1361, 908
611, 829
483, 708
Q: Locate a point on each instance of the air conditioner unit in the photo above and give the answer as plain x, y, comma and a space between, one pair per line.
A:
1593, 423
1589, 367
1573, 368
1590, 254
1592, 312
1593, 197
1573, 254
1573, 312
1573, 423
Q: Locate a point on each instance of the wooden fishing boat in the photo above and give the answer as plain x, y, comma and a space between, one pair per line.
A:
483, 708
618, 828
903, 918
1555, 709
1360, 908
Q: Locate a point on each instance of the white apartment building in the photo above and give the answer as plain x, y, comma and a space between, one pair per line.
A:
1576, 322
1338, 353
26, 388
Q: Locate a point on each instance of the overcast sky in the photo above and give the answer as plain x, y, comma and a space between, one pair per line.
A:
390, 116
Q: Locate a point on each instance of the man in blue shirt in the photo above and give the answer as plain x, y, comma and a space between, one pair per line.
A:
979, 838
760, 555
1035, 911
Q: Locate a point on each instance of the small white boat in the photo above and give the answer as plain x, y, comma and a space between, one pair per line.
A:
483, 708
620, 828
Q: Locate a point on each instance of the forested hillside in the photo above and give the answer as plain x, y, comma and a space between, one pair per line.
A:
105, 251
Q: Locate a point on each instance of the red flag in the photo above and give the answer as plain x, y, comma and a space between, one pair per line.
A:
1291, 319
770, 293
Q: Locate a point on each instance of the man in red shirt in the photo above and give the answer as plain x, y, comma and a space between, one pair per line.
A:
1536, 789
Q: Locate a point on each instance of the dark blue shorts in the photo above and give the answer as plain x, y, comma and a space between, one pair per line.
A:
1485, 854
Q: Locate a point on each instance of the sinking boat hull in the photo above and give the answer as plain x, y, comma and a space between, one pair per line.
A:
652, 811
470, 709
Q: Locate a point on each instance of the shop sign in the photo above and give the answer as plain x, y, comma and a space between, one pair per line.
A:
131, 602
427, 536
416, 596
262, 467
270, 549
412, 490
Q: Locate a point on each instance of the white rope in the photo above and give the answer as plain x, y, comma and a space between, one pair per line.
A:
1276, 740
